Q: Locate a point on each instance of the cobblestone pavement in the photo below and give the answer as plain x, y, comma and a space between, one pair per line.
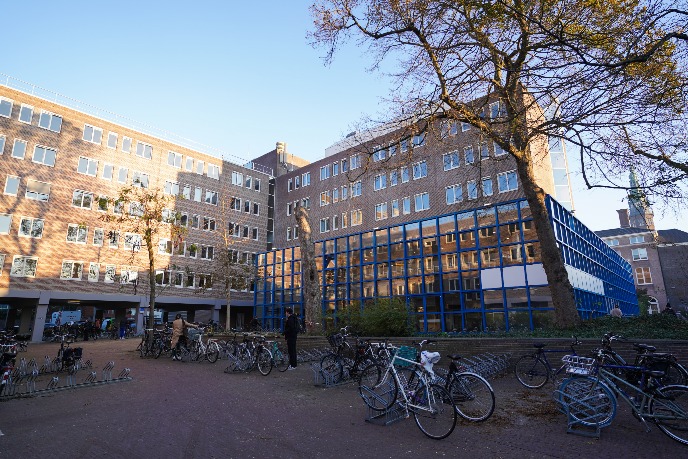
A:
195, 410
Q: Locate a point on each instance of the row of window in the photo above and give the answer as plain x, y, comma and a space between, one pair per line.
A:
452, 159
352, 190
41, 154
339, 167
247, 181
46, 120
299, 181
631, 240
38, 191
336, 222
305, 203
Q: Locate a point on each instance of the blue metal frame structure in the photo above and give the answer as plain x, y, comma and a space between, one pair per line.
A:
475, 270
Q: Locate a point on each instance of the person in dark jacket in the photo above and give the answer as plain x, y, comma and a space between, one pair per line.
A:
291, 330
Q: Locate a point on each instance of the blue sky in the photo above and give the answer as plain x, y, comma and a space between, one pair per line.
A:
235, 76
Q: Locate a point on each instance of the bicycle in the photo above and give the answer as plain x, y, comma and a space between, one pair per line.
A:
674, 374
473, 396
432, 406
590, 397
333, 364
534, 370
199, 350
280, 359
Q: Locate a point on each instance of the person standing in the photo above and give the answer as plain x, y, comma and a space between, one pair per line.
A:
291, 330
616, 312
178, 334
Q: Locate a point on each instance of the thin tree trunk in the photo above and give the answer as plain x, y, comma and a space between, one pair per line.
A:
309, 271
152, 286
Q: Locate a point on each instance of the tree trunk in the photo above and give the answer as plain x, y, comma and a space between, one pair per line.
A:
565, 311
152, 286
228, 297
310, 278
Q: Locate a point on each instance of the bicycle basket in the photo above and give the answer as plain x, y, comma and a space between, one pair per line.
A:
658, 362
576, 365
405, 352
336, 340
192, 333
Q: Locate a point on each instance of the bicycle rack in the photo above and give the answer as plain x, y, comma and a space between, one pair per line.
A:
107, 371
581, 410
327, 379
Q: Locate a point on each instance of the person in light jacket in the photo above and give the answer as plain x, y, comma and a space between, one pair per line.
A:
178, 334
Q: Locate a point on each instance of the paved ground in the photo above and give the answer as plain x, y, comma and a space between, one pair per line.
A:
195, 410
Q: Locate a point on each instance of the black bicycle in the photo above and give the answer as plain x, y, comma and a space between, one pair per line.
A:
534, 370
345, 357
473, 396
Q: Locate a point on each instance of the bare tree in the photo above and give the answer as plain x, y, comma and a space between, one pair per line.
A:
521, 73
143, 217
312, 292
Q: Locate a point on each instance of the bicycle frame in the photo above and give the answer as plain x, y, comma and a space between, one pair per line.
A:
423, 377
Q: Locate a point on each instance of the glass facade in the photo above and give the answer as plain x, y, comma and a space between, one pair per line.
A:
476, 270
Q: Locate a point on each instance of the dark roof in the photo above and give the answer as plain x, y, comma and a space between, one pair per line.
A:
672, 236
621, 231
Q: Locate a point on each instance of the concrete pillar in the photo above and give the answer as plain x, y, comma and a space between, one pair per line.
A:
41, 318
26, 319
191, 315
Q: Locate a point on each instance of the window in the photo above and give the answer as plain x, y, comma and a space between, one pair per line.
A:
237, 178
132, 241
381, 211
39, 191
93, 134
139, 179
71, 270
324, 172
164, 246
193, 250
344, 192
484, 151
186, 192
612, 242
12, 185
122, 174
306, 179
174, 159
405, 175
395, 208
248, 182
356, 189
289, 233
422, 201
325, 198
5, 107
214, 173
19, 149
499, 151
128, 274
144, 150
345, 165
211, 197
112, 140
26, 113
380, 182
98, 236
356, 217
24, 266
136, 209
472, 190
162, 277
207, 252
77, 233
468, 154
235, 203
419, 140
208, 224
31, 227
454, 194
171, 188
487, 186
507, 181
256, 208
335, 222
256, 182
406, 205
108, 171
343, 221
113, 239
289, 185
639, 254
200, 167
379, 155
355, 161
5, 223
465, 127
637, 239
205, 281
109, 277
450, 160
93, 272
403, 146
2, 144
643, 276
197, 194
306, 203
247, 206
87, 166
420, 170
497, 110
126, 145
50, 121
335, 171
188, 165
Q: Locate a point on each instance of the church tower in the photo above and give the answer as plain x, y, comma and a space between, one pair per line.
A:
640, 213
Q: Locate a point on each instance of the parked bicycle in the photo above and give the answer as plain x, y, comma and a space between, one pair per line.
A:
590, 397
472, 395
432, 406
534, 370
345, 360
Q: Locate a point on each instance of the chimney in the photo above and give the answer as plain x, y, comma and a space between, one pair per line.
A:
623, 218
281, 149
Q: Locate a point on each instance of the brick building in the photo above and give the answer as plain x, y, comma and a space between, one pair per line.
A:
56, 252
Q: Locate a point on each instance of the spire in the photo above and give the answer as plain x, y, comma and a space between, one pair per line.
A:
640, 213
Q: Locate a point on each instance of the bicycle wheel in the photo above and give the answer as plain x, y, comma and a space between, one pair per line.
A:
213, 352
264, 362
281, 360
531, 371
675, 375
158, 347
331, 369
244, 360
587, 401
473, 396
670, 411
377, 387
434, 411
